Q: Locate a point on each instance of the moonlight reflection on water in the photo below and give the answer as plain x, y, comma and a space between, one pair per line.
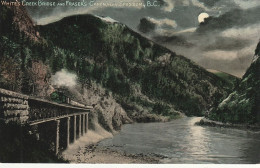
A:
183, 142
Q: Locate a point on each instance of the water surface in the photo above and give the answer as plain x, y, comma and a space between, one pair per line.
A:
183, 142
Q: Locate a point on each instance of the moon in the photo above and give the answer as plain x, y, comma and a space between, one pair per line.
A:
202, 17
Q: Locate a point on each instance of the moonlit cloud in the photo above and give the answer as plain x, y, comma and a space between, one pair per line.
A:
189, 30
233, 18
251, 31
170, 5
199, 4
157, 26
246, 4
163, 22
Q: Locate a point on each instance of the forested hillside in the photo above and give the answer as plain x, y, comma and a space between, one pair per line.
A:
142, 76
129, 65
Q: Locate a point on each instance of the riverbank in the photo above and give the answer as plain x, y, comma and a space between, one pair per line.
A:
175, 142
95, 154
87, 150
211, 123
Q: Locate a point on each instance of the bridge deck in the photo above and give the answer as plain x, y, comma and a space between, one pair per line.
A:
43, 110
55, 118
16, 107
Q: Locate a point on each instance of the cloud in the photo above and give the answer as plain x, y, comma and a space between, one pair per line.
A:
169, 5
64, 78
230, 50
163, 23
157, 26
209, 3
189, 30
227, 44
236, 17
173, 40
220, 55
146, 26
246, 32
200, 5
233, 39
246, 4
230, 39
235, 63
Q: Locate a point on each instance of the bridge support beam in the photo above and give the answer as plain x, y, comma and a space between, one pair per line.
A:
57, 137
80, 122
75, 128
68, 131
84, 124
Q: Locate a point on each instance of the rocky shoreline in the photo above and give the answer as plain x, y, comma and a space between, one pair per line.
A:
211, 123
95, 154
86, 150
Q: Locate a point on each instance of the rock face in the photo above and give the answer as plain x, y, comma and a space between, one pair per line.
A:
107, 112
243, 104
16, 17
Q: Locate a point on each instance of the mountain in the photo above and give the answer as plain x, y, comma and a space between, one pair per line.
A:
243, 104
137, 70
114, 64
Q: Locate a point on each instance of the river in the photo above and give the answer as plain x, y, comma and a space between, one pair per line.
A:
180, 141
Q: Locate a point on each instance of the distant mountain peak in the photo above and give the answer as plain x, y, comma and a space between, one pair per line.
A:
107, 19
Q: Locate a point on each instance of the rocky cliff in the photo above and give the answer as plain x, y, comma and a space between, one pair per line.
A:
16, 18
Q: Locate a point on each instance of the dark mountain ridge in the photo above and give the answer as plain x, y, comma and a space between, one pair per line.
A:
121, 59
143, 76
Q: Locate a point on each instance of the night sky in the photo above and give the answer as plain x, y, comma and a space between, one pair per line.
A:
225, 41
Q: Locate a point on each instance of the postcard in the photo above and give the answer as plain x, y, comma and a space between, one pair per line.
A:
130, 82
